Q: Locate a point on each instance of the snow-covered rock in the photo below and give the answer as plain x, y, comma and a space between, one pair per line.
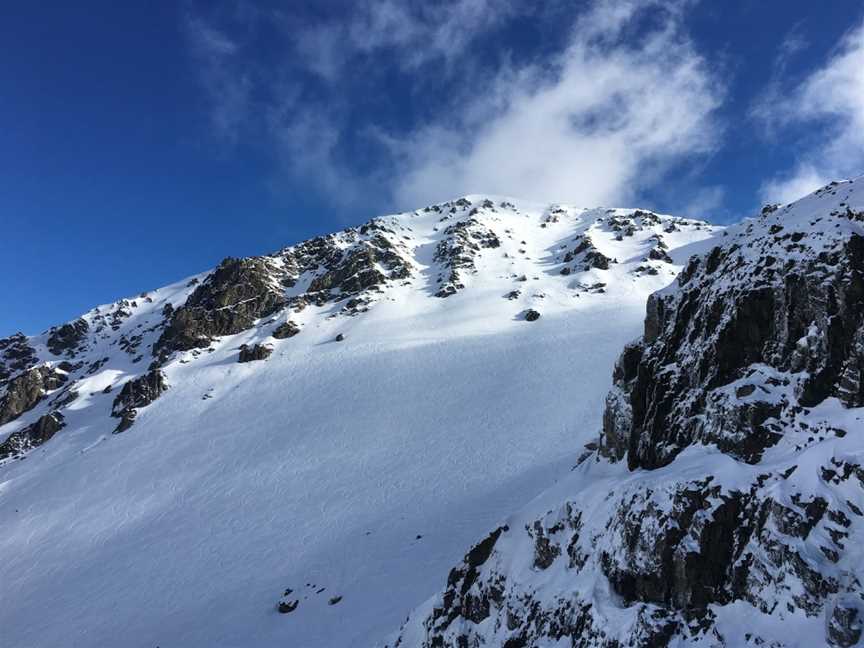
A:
723, 502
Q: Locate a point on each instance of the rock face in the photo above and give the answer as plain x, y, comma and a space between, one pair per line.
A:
783, 330
19, 443
457, 251
359, 270
230, 300
136, 394
16, 355
67, 338
727, 483
26, 390
461, 245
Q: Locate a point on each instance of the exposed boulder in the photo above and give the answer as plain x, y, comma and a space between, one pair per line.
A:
286, 330
137, 393
254, 352
531, 315
25, 390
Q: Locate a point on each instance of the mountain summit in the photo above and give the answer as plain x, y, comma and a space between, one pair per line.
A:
318, 432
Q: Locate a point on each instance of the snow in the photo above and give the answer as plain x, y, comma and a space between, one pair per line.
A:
796, 470
365, 467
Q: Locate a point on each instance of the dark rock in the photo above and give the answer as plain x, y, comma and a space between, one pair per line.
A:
67, 338
334, 600
286, 607
286, 330
657, 253
340, 337
531, 315
228, 301
16, 355
457, 251
845, 623
137, 393
710, 337
358, 271
19, 443
255, 352
25, 390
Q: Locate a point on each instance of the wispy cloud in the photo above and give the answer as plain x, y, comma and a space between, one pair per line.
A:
223, 75
597, 121
598, 125
829, 102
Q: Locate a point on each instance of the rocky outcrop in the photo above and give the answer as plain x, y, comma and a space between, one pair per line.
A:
254, 352
370, 264
587, 256
25, 391
230, 300
782, 330
19, 443
67, 338
286, 330
458, 250
137, 393
16, 355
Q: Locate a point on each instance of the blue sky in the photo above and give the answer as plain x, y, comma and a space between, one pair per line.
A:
143, 142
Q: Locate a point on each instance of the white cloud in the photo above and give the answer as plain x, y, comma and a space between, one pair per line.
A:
422, 33
596, 123
607, 120
227, 83
830, 101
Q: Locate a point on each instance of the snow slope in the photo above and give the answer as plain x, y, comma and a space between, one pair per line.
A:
724, 503
359, 468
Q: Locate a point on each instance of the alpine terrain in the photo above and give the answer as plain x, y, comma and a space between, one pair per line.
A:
294, 449
723, 502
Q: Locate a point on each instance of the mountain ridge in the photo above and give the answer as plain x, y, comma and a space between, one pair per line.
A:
375, 430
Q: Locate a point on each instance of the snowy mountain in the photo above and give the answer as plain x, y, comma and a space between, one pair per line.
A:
723, 503
293, 449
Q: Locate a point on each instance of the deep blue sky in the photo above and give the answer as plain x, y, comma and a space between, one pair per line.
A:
125, 165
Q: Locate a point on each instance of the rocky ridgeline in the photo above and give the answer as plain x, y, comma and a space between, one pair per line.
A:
230, 300
341, 274
724, 502
240, 294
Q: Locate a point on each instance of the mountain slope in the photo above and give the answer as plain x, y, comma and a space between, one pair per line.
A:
724, 504
394, 400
